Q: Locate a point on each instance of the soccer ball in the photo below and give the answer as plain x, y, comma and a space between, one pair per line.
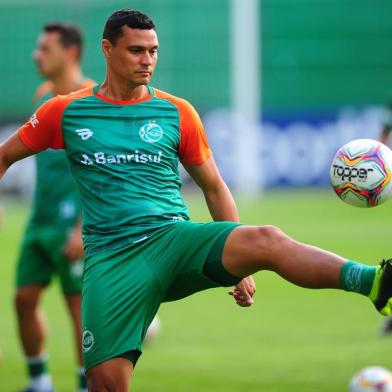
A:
153, 330
372, 379
361, 173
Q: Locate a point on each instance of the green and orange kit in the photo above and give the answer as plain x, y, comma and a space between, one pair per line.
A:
124, 158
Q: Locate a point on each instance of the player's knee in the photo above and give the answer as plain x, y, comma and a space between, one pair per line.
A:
269, 239
24, 301
99, 382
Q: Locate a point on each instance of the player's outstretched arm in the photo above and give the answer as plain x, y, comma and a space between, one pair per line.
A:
11, 151
219, 199
222, 207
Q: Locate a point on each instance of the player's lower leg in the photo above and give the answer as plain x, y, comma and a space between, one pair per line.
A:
32, 332
250, 249
40, 379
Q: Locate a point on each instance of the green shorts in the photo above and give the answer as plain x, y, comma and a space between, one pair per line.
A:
123, 289
42, 257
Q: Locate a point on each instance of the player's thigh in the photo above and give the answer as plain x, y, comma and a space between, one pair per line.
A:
70, 274
33, 266
251, 248
121, 296
179, 257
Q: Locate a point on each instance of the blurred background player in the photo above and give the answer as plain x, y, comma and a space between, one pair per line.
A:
52, 241
385, 138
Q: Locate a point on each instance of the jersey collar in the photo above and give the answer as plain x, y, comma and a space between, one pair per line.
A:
118, 102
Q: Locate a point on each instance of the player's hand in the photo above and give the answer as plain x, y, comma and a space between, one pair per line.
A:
73, 248
244, 291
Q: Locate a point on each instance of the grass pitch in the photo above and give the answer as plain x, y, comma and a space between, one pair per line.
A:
291, 340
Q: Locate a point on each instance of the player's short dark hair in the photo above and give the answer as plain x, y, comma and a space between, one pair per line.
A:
70, 34
125, 17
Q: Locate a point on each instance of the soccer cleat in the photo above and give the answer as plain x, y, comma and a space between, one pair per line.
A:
381, 293
386, 327
34, 390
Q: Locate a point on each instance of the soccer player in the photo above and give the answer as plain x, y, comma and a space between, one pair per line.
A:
385, 137
52, 241
387, 127
141, 249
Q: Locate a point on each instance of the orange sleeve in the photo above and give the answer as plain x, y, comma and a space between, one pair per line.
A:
43, 130
194, 148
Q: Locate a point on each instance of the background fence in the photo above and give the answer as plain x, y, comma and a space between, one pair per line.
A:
326, 67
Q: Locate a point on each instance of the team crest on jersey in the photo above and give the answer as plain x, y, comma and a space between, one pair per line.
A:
151, 132
84, 133
87, 340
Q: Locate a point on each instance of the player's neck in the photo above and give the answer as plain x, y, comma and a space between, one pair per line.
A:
122, 91
69, 80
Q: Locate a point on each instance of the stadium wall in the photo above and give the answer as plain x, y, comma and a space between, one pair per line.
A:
193, 37
326, 67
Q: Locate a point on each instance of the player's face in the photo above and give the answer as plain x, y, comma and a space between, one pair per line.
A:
134, 56
50, 55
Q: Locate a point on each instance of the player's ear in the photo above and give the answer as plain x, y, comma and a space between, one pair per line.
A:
74, 52
106, 47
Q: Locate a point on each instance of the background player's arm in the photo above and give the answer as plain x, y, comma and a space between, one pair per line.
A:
11, 151
73, 248
386, 126
222, 207
385, 134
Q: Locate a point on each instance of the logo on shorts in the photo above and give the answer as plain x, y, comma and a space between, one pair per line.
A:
76, 269
87, 340
151, 132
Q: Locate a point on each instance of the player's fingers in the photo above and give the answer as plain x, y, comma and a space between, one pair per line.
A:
66, 253
70, 254
241, 300
246, 297
244, 304
248, 289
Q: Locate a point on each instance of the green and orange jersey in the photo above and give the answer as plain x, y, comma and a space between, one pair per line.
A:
55, 203
124, 157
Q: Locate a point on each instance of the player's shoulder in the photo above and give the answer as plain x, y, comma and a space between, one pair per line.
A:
42, 90
177, 101
88, 83
75, 95
187, 112
59, 103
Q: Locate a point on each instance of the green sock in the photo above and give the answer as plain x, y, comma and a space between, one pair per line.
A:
82, 379
37, 365
357, 277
